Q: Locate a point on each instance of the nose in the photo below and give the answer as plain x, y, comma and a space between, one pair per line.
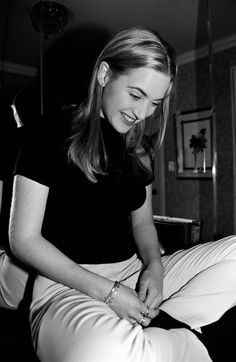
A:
141, 111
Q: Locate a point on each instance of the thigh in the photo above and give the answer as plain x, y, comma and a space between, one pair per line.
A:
184, 265
76, 328
73, 327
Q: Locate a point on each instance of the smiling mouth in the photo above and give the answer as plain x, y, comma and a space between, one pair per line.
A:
129, 121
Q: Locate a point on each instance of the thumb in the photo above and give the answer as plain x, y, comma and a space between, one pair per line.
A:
142, 293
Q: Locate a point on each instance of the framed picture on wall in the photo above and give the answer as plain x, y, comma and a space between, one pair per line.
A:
194, 144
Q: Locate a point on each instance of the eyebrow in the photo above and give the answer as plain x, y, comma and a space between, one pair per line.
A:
144, 93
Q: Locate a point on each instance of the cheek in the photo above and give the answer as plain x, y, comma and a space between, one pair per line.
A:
106, 103
114, 98
150, 111
108, 99
114, 104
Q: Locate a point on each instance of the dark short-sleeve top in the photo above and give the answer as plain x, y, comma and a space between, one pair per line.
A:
89, 222
10, 141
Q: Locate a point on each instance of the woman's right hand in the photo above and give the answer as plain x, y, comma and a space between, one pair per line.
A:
127, 305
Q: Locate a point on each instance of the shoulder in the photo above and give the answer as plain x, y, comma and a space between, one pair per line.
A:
47, 133
42, 150
142, 171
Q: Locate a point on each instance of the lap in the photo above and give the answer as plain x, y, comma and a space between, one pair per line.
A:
69, 326
75, 327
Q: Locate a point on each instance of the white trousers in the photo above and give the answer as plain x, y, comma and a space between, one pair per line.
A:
199, 286
13, 278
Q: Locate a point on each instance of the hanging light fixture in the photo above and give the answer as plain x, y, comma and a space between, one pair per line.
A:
49, 16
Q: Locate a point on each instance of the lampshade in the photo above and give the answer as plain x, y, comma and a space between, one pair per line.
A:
49, 17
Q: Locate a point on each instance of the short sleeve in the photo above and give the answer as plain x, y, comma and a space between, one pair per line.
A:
38, 153
144, 176
9, 144
3, 163
8, 141
151, 176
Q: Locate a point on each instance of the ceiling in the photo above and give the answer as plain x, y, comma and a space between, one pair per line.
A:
181, 22
91, 22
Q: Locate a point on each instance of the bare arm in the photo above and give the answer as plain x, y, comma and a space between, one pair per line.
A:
151, 283
28, 244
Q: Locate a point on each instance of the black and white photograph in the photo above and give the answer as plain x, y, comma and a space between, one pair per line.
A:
117, 180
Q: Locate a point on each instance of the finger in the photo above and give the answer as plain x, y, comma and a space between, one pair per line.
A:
144, 321
143, 288
153, 300
146, 313
142, 293
141, 318
156, 311
152, 313
133, 322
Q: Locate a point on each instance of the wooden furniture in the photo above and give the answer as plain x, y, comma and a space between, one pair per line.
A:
177, 233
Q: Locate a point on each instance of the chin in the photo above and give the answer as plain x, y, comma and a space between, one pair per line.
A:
122, 128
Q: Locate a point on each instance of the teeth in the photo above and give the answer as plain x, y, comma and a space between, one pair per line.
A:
128, 118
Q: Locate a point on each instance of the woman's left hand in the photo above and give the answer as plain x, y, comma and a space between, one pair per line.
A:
150, 289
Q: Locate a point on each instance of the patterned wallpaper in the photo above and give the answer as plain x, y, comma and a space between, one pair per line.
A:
193, 198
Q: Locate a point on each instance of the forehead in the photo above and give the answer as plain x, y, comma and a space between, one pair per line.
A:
152, 82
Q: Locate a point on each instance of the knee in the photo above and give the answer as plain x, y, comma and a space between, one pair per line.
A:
103, 338
228, 246
99, 348
224, 273
84, 347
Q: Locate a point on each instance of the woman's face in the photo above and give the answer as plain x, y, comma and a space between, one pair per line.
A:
132, 97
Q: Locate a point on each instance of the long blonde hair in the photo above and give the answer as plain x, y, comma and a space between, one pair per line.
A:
131, 48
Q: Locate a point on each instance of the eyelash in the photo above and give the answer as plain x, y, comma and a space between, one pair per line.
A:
137, 98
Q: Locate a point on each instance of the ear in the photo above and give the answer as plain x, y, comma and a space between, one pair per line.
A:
103, 74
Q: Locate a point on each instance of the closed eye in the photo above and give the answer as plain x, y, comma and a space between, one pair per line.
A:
134, 96
156, 104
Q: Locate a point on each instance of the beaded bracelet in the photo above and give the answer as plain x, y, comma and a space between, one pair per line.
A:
108, 300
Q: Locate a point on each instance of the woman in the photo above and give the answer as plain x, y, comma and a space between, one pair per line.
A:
14, 274
20, 115
79, 192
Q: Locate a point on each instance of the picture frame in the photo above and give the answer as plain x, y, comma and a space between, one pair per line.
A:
194, 144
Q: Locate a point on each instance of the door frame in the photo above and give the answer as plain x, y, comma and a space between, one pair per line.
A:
233, 105
159, 199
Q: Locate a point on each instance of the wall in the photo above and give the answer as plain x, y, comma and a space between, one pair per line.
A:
10, 83
192, 198
184, 197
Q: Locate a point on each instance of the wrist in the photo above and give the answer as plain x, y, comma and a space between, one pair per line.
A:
111, 295
157, 266
92, 284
